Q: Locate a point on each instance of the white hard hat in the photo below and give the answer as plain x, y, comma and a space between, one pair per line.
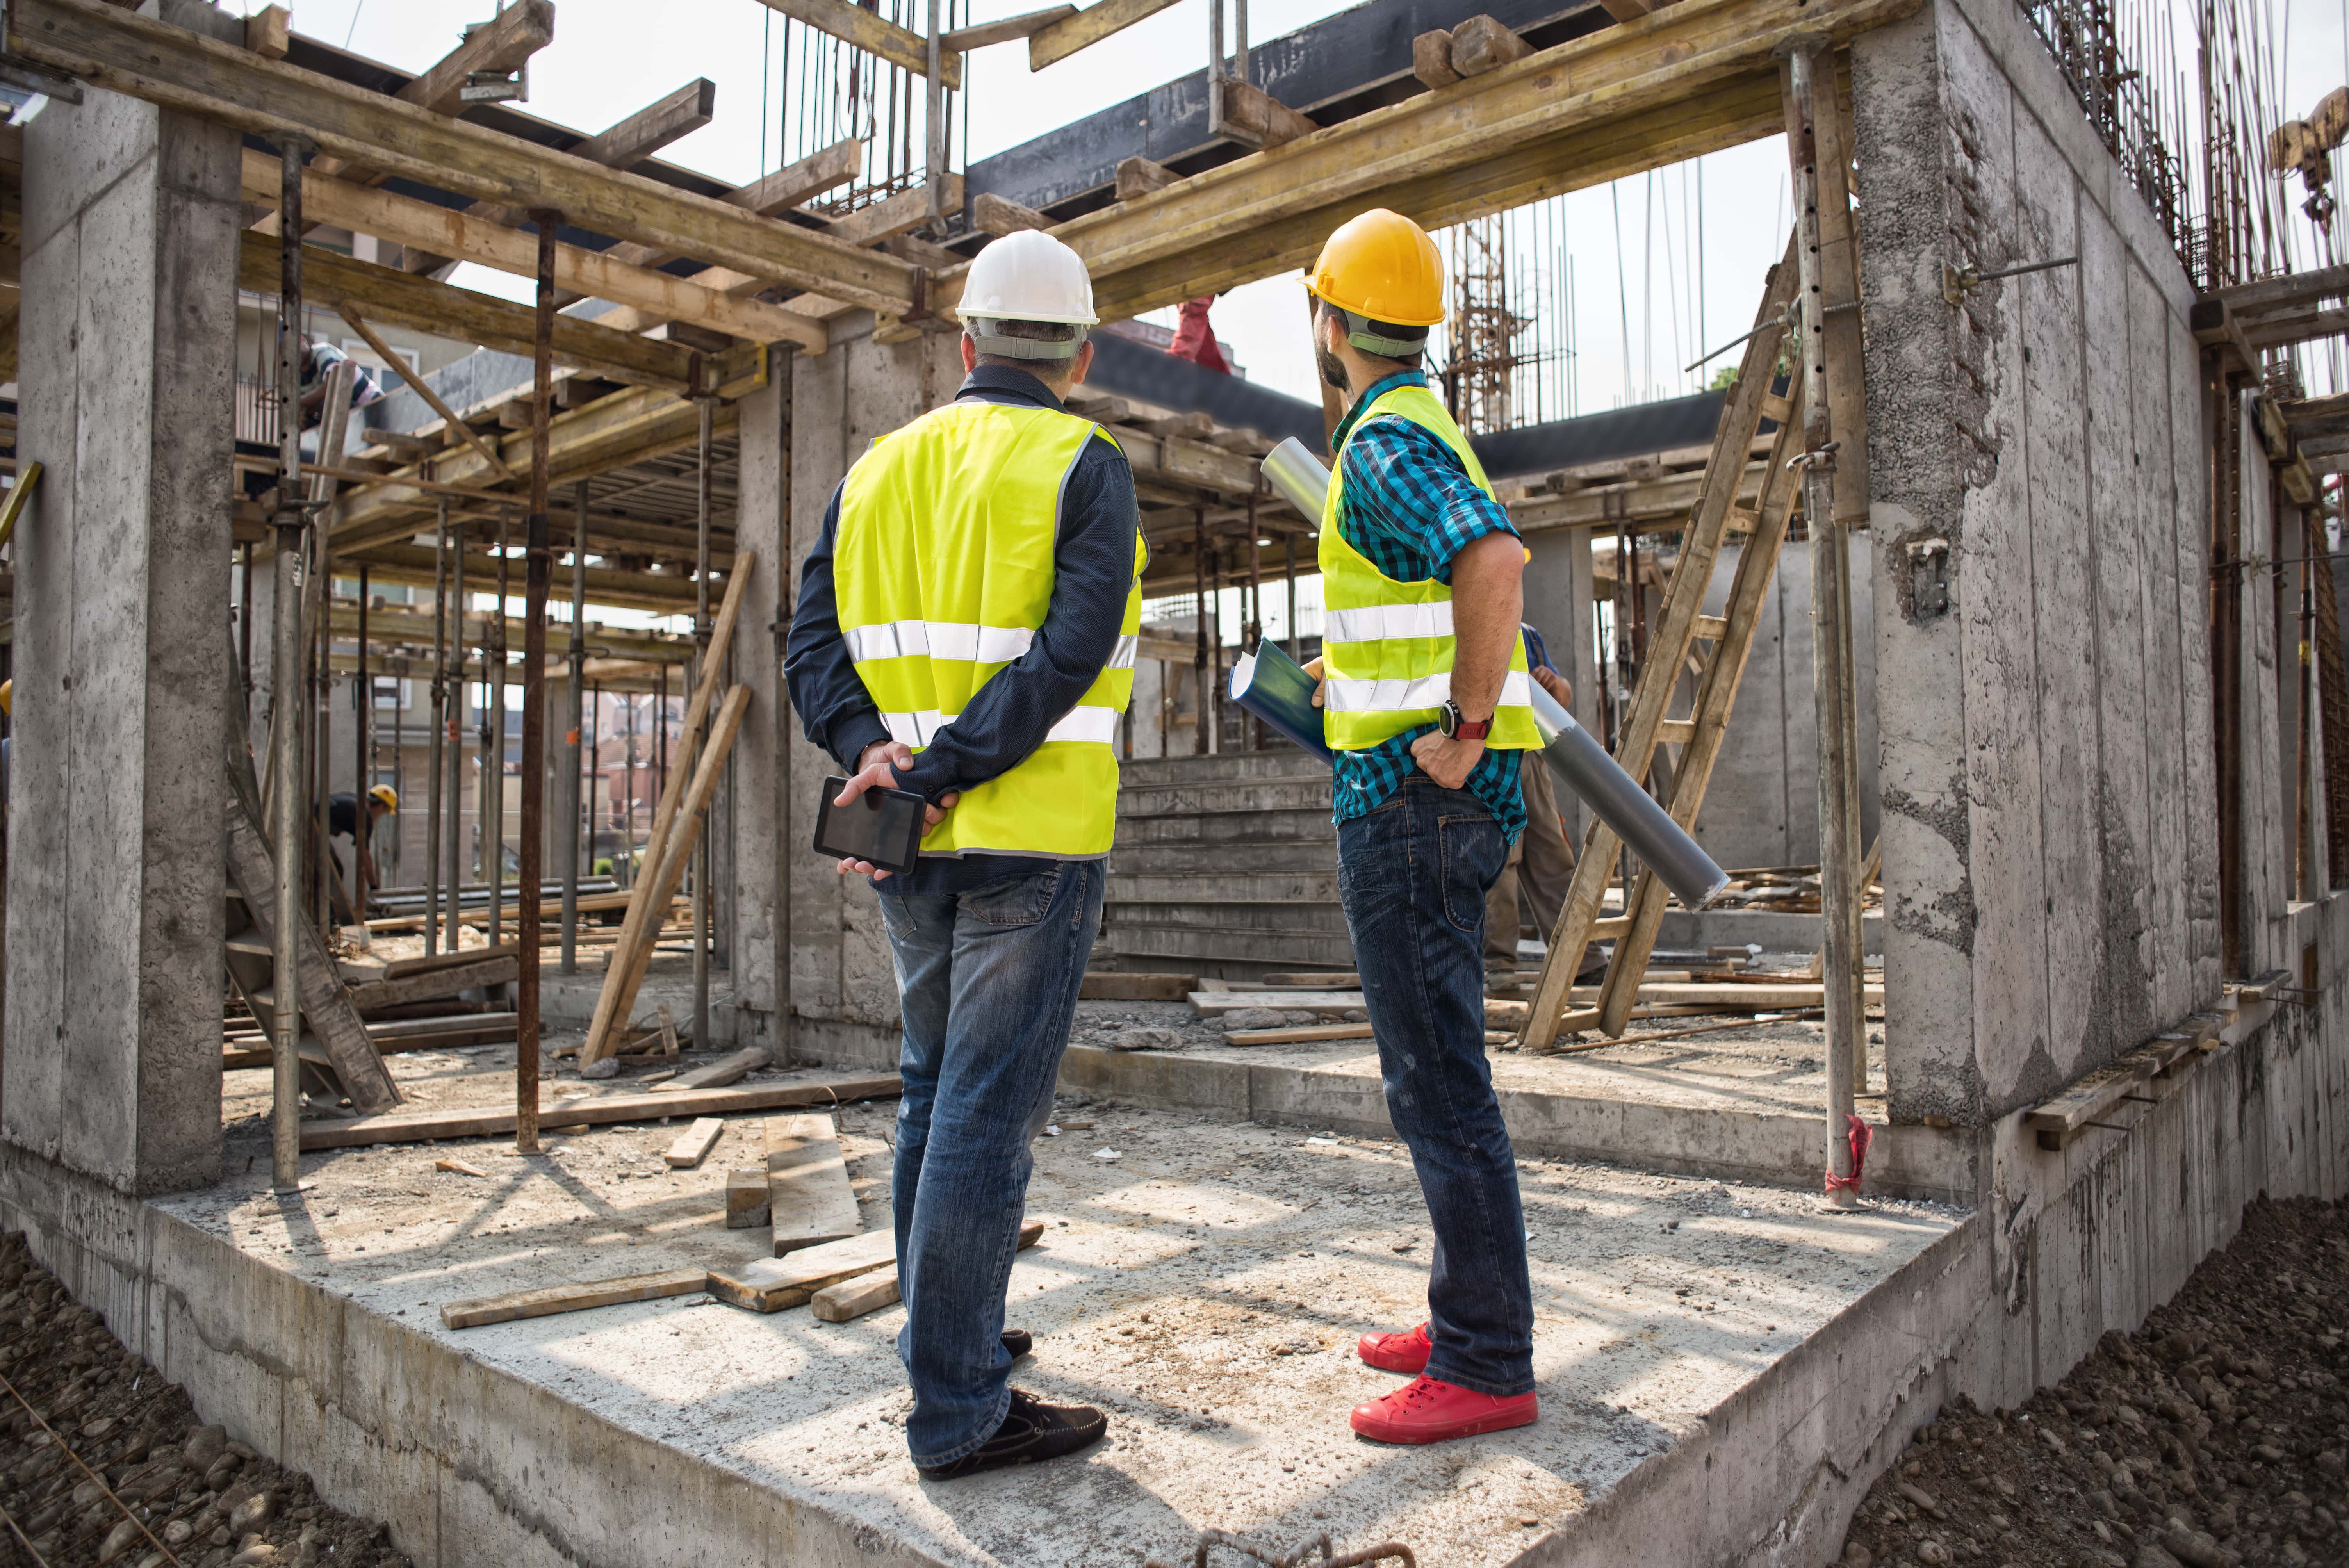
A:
1027, 276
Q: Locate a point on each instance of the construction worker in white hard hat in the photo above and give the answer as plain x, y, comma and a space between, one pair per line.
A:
1427, 704
345, 821
966, 629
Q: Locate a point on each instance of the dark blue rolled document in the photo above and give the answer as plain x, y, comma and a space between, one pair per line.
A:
1275, 689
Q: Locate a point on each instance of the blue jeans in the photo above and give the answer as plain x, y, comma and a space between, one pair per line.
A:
1414, 874
988, 982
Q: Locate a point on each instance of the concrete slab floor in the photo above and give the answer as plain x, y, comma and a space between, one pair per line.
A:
1202, 1281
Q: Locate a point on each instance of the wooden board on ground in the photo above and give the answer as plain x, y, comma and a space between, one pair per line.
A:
415, 1126
551, 1299
498, 969
1107, 986
1303, 1034
771, 1285
748, 1206
853, 1298
808, 1195
694, 1144
400, 1034
1339, 980
1762, 998
1216, 1004
726, 1070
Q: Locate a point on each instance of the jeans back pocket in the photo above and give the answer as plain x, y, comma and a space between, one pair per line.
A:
1015, 901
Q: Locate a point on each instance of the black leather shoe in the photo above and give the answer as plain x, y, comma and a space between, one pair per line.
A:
1032, 1431
1018, 1341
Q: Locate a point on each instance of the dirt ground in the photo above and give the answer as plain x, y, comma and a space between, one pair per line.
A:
2217, 1434
202, 1499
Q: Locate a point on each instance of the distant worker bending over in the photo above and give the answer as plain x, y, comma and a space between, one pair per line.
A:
1424, 683
345, 820
966, 629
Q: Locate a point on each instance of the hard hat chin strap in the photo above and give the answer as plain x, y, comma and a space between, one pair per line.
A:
986, 341
1359, 334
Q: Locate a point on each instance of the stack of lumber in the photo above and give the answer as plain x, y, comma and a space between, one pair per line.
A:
1784, 889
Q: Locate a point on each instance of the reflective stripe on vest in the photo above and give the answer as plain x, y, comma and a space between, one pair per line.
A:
1386, 644
943, 570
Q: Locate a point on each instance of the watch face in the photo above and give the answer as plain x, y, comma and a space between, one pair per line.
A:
1447, 719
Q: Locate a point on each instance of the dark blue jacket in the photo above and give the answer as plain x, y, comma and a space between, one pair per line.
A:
1007, 719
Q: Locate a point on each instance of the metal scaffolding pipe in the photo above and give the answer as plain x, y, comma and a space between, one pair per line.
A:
285, 696
1832, 678
454, 761
432, 741
537, 569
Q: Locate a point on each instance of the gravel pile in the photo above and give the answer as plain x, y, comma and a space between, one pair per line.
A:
2216, 1436
204, 1500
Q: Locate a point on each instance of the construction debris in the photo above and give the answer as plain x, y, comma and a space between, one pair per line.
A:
694, 1144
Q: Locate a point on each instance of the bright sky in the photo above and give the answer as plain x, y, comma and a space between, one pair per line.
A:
1658, 276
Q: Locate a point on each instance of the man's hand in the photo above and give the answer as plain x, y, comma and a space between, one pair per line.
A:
1320, 687
1448, 762
877, 769
1555, 683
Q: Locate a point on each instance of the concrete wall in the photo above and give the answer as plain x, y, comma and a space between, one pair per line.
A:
2045, 750
843, 990
1763, 806
122, 650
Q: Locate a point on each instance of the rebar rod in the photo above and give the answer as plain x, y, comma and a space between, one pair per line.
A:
702, 635
575, 690
285, 686
454, 761
494, 745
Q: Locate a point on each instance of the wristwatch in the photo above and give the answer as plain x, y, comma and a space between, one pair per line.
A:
1448, 719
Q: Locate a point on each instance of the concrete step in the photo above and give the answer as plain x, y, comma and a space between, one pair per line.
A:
1229, 951
1229, 827
1237, 915
1254, 885
1217, 859
1232, 795
1277, 762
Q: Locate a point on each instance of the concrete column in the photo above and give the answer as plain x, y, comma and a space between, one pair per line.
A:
765, 808
121, 639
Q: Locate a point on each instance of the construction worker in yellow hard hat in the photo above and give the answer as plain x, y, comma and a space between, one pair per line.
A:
966, 631
344, 819
1427, 704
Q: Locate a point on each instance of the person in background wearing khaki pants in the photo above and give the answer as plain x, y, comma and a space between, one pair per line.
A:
1541, 862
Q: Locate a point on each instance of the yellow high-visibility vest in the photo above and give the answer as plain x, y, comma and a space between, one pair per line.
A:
942, 571
1387, 645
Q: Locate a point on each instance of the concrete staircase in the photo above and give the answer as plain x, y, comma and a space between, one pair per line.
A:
1226, 865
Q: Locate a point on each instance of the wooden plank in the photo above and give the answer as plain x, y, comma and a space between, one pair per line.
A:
810, 1199
748, 1205
1480, 44
1010, 30
630, 141
594, 1111
501, 44
1322, 980
1254, 117
268, 32
470, 237
1431, 58
2096, 1098
993, 214
1108, 986
448, 419
1302, 1034
501, 970
694, 1144
853, 1298
1139, 177
771, 1285
726, 1070
548, 1300
1088, 27
863, 29
894, 215
129, 53
401, 968
421, 305
1216, 1004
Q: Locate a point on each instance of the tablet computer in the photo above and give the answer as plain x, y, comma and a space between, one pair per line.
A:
881, 827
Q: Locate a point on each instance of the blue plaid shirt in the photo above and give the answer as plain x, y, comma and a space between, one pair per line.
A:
1409, 507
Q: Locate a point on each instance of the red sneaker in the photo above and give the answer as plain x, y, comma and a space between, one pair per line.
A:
1397, 1352
1428, 1411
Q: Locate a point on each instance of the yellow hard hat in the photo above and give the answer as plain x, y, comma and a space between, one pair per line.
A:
7, 697
1383, 267
387, 795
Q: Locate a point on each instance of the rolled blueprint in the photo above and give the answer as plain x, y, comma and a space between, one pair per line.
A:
1270, 685
1574, 757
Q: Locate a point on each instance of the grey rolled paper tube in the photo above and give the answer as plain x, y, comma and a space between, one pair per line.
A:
1575, 758
1578, 761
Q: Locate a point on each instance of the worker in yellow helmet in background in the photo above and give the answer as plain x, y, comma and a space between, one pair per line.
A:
965, 630
1427, 706
344, 819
